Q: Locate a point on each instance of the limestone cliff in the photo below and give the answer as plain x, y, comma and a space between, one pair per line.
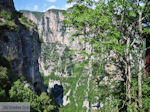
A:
19, 43
56, 39
66, 76
69, 76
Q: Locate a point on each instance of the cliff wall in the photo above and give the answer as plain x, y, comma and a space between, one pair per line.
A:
19, 43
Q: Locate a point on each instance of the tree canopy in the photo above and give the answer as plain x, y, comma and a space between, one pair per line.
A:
117, 27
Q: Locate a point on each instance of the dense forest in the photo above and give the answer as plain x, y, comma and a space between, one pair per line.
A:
113, 72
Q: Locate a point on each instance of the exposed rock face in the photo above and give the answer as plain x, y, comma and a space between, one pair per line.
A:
52, 30
31, 17
7, 5
67, 81
56, 60
56, 41
22, 47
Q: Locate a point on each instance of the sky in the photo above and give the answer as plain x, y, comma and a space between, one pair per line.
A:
41, 5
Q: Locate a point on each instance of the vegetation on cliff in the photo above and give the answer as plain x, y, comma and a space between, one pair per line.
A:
38, 15
20, 93
7, 21
13, 87
110, 75
116, 28
56, 10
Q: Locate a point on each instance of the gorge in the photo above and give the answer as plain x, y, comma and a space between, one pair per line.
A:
91, 57
47, 50
60, 60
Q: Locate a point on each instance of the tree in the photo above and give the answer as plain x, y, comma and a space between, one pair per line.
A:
115, 25
4, 80
19, 93
40, 103
46, 103
4, 84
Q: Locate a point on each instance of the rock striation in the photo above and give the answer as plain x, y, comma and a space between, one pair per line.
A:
56, 39
66, 80
57, 60
21, 46
7, 5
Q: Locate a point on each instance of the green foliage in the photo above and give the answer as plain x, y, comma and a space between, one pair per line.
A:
4, 80
45, 79
12, 90
3, 95
49, 53
71, 39
4, 83
22, 78
19, 93
41, 40
16, 92
7, 21
5, 15
146, 30
38, 15
7, 77
77, 94
56, 10
146, 95
107, 27
46, 103
27, 23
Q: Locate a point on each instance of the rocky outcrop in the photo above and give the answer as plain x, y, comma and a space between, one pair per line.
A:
56, 41
70, 83
7, 5
21, 46
57, 60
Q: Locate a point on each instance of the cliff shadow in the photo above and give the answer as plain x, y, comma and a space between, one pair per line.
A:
57, 92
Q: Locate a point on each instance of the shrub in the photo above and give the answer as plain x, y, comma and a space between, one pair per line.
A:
19, 93
7, 21
27, 23
41, 40
4, 80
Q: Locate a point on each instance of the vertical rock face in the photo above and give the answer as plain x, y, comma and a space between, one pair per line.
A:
50, 26
7, 5
23, 50
70, 82
31, 50
52, 29
20, 46
56, 41
57, 61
